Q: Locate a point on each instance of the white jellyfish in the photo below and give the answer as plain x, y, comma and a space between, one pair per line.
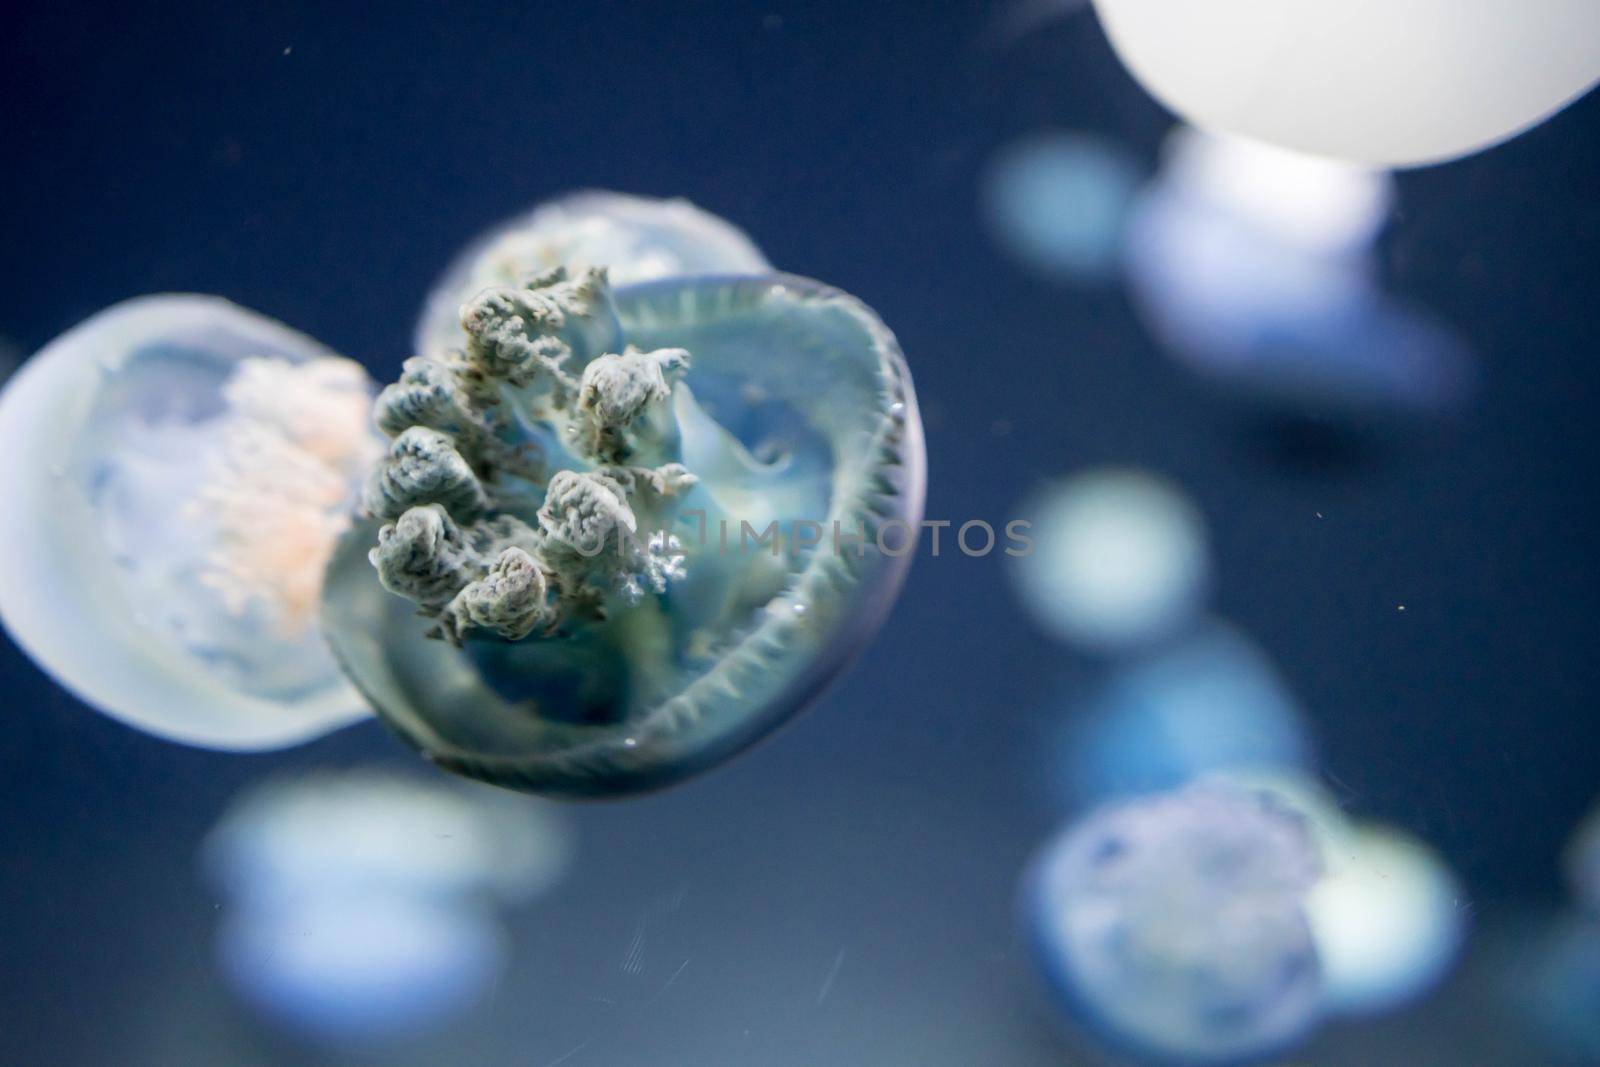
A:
362, 832
1373, 81
1057, 201
1255, 267
1175, 924
177, 471
362, 906
1120, 558
1388, 919
637, 238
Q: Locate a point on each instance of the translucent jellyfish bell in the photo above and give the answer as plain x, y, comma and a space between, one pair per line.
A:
1583, 862
1175, 925
1254, 267
1207, 704
1120, 558
1387, 917
1057, 202
637, 238
1373, 81
645, 523
177, 472
356, 833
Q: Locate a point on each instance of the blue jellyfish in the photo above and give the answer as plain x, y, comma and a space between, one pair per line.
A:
1120, 560
178, 471
362, 906
1207, 704
1175, 925
1254, 267
621, 534
637, 238
1057, 201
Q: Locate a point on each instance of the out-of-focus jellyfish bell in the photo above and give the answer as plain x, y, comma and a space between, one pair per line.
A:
357, 972
1057, 203
1253, 266
1372, 81
1387, 919
361, 905
644, 526
1120, 558
177, 471
1208, 704
359, 832
1175, 926
637, 238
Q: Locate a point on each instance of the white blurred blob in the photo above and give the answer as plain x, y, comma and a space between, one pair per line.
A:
1381, 82
1255, 266
1387, 918
1174, 924
1120, 559
362, 904
1210, 703
176, 472
355, 971
1057, 202
637, 238
357, 832
1583, 863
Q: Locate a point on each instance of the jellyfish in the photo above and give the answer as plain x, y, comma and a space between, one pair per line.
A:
1209, 703
1255, 268
1387, 918
362, 832
362, 906
638, 238
1370, 81
623, 533
1057, 201
1175, 925
178, 472
1120, 559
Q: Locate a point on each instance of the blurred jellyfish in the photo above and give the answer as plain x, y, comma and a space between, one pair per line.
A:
1175, 925
360, 832
1583, 862
1120, 559
362, 905
1057, 202
1387, 919
642, 526
1209, 703
177, 472
637, 238
1372, 81
1254, 267
364, 970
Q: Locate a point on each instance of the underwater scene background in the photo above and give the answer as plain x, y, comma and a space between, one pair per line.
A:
1386, 579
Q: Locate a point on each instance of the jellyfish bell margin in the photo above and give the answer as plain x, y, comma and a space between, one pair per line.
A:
796, 405
1369, 81
108, 430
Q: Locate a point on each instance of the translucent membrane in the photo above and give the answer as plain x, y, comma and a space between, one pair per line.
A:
798, 407
637, 238
1174, 924
177, 471
1372, 81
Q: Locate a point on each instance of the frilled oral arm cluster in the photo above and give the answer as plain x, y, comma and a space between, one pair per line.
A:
533, 475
